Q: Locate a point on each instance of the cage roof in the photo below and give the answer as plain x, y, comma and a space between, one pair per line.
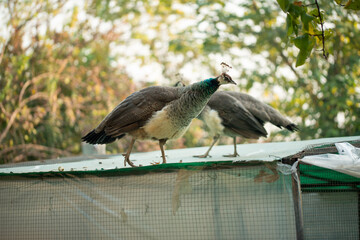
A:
265, 152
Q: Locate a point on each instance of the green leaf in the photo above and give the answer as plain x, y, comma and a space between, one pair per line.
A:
295, 10
306, 19
353, 5
284, 4
289, 25
314, 12
305, 43
301, 42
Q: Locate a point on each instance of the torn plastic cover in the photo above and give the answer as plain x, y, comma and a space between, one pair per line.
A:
347, 161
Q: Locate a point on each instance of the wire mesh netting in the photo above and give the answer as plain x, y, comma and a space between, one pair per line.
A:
330, 203
330, 199
195, 200
330, 215
231, 201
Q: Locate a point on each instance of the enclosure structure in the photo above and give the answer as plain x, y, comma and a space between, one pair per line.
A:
255, 196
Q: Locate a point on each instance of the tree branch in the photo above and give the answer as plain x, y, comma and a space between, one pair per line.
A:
4, 110
33, 80
18, 109
322, 29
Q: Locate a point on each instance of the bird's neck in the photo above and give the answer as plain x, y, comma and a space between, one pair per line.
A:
208, 86
198, 96
190, 104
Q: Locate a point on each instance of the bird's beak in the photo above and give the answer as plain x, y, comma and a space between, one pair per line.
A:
232, 82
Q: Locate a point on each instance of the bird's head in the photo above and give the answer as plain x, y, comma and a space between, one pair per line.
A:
225, 79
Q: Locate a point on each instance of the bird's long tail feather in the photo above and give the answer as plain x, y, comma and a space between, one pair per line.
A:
99, 138
292, 127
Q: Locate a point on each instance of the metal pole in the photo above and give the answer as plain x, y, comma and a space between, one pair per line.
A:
299, 221
359, 212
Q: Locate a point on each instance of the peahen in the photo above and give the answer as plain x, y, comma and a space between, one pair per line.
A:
238, 114
157, 113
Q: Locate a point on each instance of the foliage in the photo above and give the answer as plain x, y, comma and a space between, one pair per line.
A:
55, 85
59, 79
305, 25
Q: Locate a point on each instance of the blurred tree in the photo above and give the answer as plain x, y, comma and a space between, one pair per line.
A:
56, 81
305, 24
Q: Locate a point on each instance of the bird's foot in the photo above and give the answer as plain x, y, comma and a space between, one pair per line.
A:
232, 155
155, 163
202, 156
127, 160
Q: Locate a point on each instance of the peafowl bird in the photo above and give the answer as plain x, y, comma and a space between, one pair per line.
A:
156, 113
238, 114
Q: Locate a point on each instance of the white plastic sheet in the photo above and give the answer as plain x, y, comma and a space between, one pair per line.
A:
347, 161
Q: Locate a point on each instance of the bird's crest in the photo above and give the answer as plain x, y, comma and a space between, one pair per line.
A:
225, 78
225, 67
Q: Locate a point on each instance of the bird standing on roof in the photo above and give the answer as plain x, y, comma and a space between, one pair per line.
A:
238, 114
157, 113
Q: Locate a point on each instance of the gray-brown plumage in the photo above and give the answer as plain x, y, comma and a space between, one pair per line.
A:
238, 114
157, 113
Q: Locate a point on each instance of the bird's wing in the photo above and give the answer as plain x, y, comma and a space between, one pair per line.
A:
263, 111
136, 109
235, 116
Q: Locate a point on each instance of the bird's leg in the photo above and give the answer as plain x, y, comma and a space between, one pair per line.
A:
161, 144
215, 139
235, 152
127, 154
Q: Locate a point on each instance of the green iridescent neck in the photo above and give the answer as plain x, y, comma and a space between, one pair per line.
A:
210, 85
